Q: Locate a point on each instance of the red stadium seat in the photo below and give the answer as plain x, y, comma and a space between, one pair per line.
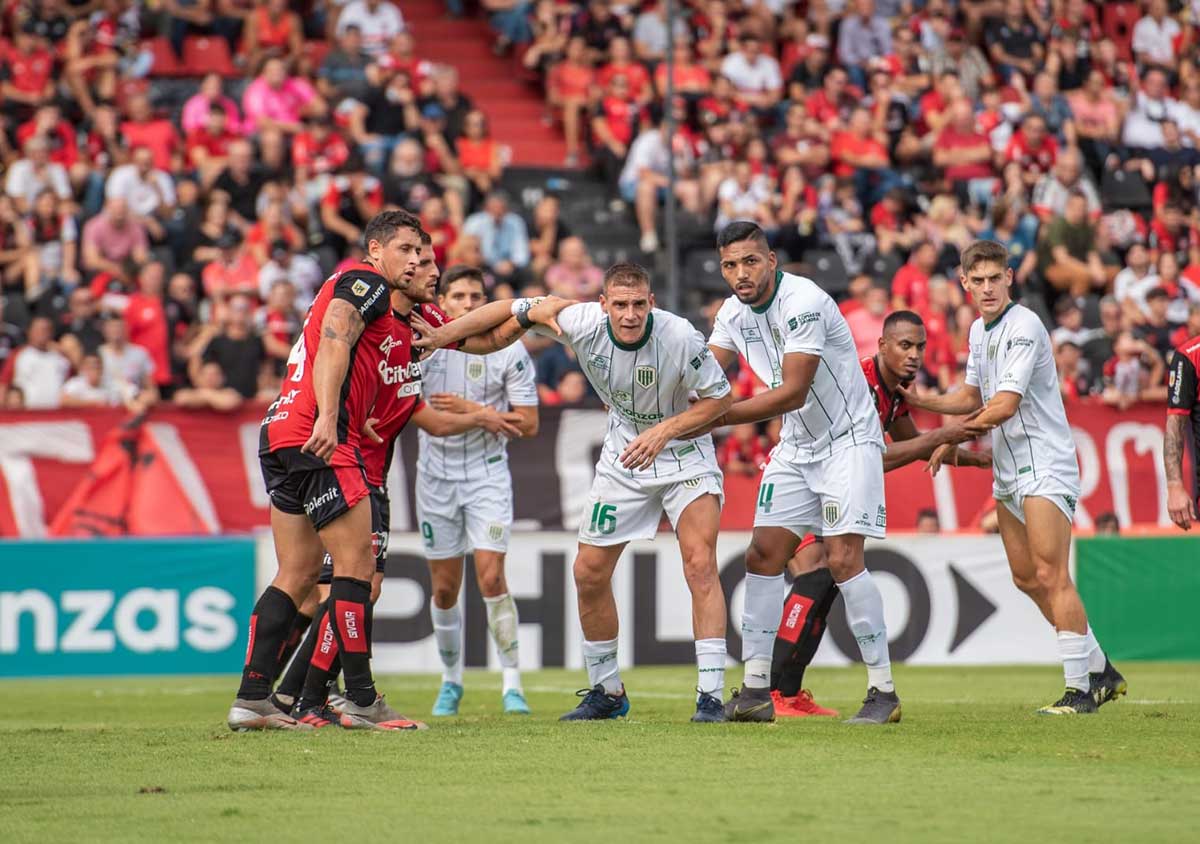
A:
165, 62
1117, 20
203, 55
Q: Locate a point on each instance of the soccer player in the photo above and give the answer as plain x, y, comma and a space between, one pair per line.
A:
646, 364
824, 476
304, 688
1012, 381
802, 626
1183, 411
464, 491
313, 473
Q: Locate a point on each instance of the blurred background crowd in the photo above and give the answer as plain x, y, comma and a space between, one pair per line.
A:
179, 176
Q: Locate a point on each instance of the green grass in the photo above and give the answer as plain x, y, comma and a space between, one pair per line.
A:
150, 759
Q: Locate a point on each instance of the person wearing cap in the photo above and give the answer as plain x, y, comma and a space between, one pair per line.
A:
235, 271
861, 37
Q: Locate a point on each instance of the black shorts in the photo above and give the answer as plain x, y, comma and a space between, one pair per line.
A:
303, 484
380, 519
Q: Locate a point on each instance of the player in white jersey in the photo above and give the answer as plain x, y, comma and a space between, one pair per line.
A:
824, 476
1013, 391
464, 491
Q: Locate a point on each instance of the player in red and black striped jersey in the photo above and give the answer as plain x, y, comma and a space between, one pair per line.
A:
901, 355
1183, 412
312, 468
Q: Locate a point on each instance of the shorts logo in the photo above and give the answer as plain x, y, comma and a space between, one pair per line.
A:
1070, 499
321, 500
831, 513
692, 483
881, 517
360, 288
495, 531
475, 369
645, 376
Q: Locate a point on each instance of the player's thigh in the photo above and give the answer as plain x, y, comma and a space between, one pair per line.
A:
770, 549
1016, 546
1049, 536
696, 529
594, 567
298, 551
487, 513
619, 510
440, 516
809, 556
785, 500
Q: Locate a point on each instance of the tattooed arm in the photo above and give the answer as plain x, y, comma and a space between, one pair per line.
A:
1179, 500
340, 330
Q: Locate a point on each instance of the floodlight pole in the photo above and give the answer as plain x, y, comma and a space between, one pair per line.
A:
672, 235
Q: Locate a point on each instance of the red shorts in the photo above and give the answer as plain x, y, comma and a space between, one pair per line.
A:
303, 484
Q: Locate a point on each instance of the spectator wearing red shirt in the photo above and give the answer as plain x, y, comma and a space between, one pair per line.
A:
1032, 147
744, 451
861, 152
965, 155
353, 198
147, 321
317, 153
436, 222
691, 78
26, 73
1169, 232
234, 272
866, 323
831, 105
59, 135
278, 323
802, 143
157, 134
569, 89
273, 225
614, 126
910, 285
208, 147
622, 63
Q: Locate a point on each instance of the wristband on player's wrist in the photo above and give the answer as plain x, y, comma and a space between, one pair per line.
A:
521, 308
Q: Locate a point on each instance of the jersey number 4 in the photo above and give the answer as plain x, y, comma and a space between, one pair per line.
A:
298, 354
604, 518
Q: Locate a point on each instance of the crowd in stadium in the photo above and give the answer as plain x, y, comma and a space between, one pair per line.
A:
160, 238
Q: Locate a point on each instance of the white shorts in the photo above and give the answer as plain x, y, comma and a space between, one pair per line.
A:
461, 516
1063, 496
838, 495
620, 509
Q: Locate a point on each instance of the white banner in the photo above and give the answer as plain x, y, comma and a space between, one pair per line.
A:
949, 601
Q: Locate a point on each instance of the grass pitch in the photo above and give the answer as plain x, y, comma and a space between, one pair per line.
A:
148, 759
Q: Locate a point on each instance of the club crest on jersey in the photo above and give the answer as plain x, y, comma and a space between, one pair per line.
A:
645, 376
992, 351
475, 369
831, 513
360, 288
776, 335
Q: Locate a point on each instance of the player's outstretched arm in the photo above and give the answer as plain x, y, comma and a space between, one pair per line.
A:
909, 445
966, 399
438, 423
641, 453
491, 316
791, 394
1002, 407
340, 330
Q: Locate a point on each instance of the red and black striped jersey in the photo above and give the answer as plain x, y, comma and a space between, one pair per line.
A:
890, 406
1183, 390
290, 418
399, 392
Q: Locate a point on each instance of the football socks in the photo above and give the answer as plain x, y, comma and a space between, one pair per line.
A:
864, 615
269, 626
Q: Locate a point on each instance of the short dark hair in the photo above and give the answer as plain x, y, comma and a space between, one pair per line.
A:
983, 251
897, 317
1157, 293
462, 272
426, 238
739, 231
384, 225
626, 274
928, 513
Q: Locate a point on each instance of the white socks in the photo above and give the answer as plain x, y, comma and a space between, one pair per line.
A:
502, 621
447, 631
1096, 658
601, 661
864, 615
1073, 650
710, 665
761, 612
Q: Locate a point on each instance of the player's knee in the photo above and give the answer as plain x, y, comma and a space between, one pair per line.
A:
700, 569
1028, 582
491, 583
761, 559
444, 595
589, 579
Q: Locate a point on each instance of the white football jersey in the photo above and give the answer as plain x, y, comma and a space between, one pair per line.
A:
502, 379
1013, 354
644, 383
802, 318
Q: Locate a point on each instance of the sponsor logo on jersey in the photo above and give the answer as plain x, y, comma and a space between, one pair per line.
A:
287, 398
324, 498
1018, 343
639, 418
413, 388
803, 319
698, 360
621, 395
474, 369
520, 366
992, 351
390, 343
398, 374
751, 334
495, 531
275, 417
366, 306
360, 288
598, 362
831, 513
881, 517
645, 376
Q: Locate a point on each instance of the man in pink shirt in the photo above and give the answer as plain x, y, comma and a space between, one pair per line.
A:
113, 238
866, 323
277, 100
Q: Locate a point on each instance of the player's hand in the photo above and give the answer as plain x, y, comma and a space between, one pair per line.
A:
369, 430
451, 403
1180, 506
546, 312
640, 453
494, 422
324, 440
958, 431
911, 397
947, 453
427, 336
